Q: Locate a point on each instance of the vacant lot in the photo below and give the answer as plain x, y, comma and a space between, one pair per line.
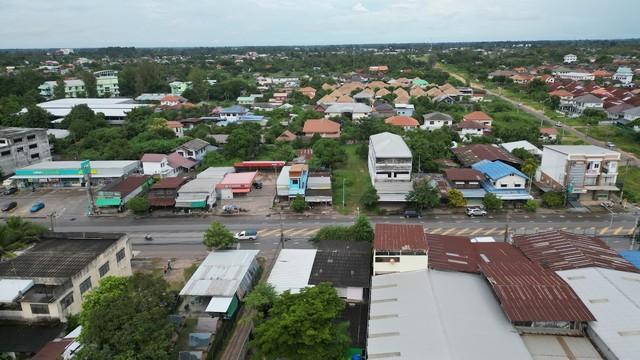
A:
353, 173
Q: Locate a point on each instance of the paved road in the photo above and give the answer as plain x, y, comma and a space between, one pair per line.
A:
627, 157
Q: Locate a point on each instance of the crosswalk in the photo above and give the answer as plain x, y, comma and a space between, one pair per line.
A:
307, 232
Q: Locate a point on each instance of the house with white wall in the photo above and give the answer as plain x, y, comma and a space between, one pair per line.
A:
502, 180
399, 248
436, 120
570, 58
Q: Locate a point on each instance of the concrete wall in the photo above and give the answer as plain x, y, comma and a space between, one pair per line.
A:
19, 154
511, 181
405, 263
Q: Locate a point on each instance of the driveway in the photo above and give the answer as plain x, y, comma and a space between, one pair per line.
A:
66, 203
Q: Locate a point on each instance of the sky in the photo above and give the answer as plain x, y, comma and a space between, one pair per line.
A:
186, 23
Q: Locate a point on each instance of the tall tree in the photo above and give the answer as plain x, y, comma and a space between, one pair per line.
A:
217, 236
200, 86
243, 142
36, 117
529, 168
90, 84
59, 90
361, 229
16, 233
303, 326
327, 153
127, 318
423, 196
261, 298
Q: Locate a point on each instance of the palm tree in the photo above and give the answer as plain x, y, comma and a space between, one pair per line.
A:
529, 168
16, 233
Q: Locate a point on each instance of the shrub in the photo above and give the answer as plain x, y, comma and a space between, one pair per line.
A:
139, 205
298, 204
553, 200
491, 202
456, 199
531, 206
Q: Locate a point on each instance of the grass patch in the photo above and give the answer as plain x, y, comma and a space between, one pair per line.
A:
623, 138
355, 175
630, 177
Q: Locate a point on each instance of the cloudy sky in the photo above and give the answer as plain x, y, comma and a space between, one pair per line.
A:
97, 23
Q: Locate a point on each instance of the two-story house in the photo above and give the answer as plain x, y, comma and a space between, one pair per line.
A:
588, 101
49, 281
436, 120
479, 117
390, 164
177, 127
232, 113
165, 166
399, 248
467, 181
624, 75
469, 129
585, 172
502, 180
298, 176
195, 149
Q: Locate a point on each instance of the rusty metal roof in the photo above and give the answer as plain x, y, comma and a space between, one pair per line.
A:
400, 237
561, 250
529, 292
471, 154
458, 253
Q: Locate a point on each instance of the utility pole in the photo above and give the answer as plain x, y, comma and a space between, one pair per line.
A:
281, 231
343, 192
51, 220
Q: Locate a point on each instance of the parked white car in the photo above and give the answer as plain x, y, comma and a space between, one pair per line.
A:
476, 211
246, 235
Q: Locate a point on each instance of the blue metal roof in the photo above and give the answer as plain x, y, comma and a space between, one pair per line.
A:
496, 170
632, 256
234, 109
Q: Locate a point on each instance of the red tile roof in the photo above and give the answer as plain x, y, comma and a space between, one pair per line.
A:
286, 136
174, 124
466, 174
402, 121
528, 292
477, 116
399, 237
320, 126
561, 250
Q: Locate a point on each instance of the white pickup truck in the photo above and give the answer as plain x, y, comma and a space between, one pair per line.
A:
246, 235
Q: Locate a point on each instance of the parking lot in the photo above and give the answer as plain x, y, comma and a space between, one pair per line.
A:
67, 203
258, 201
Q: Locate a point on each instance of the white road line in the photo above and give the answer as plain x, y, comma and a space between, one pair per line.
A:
491, 231
435, 231
618, 230
448, 231
630, 232
476, 231
296, 232
462, 231
267, 232
604, 230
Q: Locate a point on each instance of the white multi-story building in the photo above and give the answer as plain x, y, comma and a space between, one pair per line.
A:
107, 83
49, 281
575, 75
624, 75
585, 172
73, 88
570, 58
389, 158
20, 147
436, 120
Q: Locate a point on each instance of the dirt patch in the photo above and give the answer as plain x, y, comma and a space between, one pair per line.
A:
175, 271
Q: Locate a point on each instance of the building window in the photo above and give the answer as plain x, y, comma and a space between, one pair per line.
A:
20, 149
33, 146
5, 153
35, 156
17, 140
31, 137
503, 185
391, 259
517, 185
104, 269
39, 309
67, 301
85, 285
120, 255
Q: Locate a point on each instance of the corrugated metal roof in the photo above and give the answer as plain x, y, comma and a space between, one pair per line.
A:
292, 269
388, 145
561, 250
220, 274
400, 237
632, 256
438, 315
614, 299
528, 292
471, 154
550, 347
496, 170
342, 263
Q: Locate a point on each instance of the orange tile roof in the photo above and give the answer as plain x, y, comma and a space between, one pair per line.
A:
477, 116
313, 126
174, 124
345, 99
401, 121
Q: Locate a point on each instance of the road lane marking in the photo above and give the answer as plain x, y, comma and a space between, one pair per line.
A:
435, 231
617, 231
266, 232
448, 231
604, 230
296, 232
490, 231
462, 231
311, 232
476, 231
630, 232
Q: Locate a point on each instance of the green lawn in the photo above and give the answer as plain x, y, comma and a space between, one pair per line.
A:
355, 174
623, 139
630, 177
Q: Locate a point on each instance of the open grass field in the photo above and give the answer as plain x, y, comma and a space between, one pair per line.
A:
354, 174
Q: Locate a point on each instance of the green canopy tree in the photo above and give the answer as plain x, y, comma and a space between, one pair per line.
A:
243, 142
361, 229
139, 205
217, 236
298, 204
327, 153
423, 196
303, 326
369, 198
456, 199
90, 84
59, 90
261, 298
200, 86
491, 202
36, 117
17, 233
127, 318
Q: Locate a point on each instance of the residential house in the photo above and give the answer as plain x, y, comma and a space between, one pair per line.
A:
280, 97
585, 172
355, 111
632, 114
165, 166
565, 96
365, 96
399, 248
176, 127
221, 281
624, 75
405, 122
471, 154
480, 117
390, 163
548, 135
298, 177
522, 144
178, 87
163, 193
195, 149
116, 195
570, 58
616, 112
588, 101
286, 136
502, 180
436, 120
49, 281
383, 110
318, 189
547, 79
323, 127
172, 100
404, 109
522, 79
308, 91
197, 194
191, 123
379, 69
233, 113
469, 129
467, 181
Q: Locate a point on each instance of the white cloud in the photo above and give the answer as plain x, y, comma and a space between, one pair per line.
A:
359, 8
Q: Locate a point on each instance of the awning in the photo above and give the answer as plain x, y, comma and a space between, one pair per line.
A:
11, 289
514, 196
602, 188
219, 304
472, 193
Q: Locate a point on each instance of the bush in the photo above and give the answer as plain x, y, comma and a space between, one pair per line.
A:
531, 206
333, 232
369, 198
456, 199
139, 205
298, 204
553, 200
491, 202
361, 230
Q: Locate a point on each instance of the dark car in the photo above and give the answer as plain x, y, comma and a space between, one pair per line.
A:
411, 214
9, 206
9, 191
